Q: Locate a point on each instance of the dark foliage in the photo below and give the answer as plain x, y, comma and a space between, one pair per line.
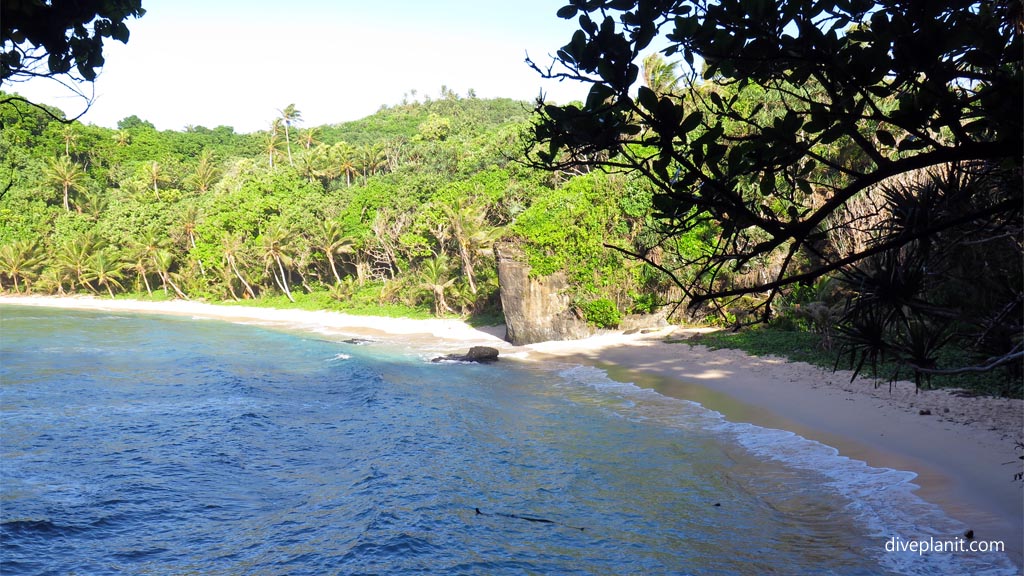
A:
788, 111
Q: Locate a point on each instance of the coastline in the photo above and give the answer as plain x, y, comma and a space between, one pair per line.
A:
963, 452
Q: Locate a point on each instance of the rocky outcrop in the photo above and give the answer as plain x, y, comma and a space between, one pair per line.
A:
482, 354
641, 322
536, 309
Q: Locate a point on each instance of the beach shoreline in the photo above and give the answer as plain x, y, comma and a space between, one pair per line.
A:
962, 450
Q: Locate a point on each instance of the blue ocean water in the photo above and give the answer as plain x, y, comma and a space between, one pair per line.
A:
149, 445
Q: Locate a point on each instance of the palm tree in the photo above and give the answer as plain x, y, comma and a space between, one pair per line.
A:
227, 278
69, 136
371, 158
140, 265
290, 116
93, 204
154, 173
660, 76
67, 174
275, 245
122, 138
345, 157
272, 141
232, 247
308, 137
205, 173
163, 261
142, 256
189, 222
472, 235
20, 259
329, 237
104, 268
434, 277
315, 165
73, 257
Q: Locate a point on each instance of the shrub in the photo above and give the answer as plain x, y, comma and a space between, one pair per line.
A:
601, 313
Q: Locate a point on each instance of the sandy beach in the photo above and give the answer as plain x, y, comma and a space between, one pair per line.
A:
961, 448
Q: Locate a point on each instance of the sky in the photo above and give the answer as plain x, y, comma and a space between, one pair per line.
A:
237, 63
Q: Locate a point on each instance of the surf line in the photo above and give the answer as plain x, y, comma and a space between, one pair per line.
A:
528, 519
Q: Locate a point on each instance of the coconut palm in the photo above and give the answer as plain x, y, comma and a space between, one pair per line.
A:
141, 258
232, 246
345, 289
70, 136
345, 158
308, 138
315, 164
371, 159
163, 261
272, 141
72, 257
104, 268
93, 204
660, 76
186, 235
122, 138
329, 238
433, 275
205, 173
20, 259
155, 174
290, 116
275, 240
67, 174
472, 236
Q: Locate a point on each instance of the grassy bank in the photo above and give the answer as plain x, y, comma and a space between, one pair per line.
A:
807, 347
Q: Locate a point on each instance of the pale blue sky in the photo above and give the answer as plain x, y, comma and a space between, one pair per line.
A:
236, 63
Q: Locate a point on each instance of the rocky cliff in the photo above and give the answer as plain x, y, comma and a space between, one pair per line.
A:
536, 309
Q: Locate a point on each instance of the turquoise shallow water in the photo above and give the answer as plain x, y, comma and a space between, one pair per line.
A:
135, 444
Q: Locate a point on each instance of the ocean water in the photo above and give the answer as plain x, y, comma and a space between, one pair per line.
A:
149, 445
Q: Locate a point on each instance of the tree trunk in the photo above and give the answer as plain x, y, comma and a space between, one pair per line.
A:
167, 280
248, 288
231, 289
467, 265
288, 144
284, 280
67, 207
440, 305
330, 258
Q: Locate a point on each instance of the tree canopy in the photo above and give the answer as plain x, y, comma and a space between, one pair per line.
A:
62, 39
790, 110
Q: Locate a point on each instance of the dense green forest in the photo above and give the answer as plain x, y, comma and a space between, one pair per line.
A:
396, 213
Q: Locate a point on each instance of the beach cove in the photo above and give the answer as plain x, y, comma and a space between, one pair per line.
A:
964, 458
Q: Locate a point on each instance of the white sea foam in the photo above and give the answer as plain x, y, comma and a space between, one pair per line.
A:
882, 500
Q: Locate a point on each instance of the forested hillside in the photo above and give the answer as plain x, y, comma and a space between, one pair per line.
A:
394, 213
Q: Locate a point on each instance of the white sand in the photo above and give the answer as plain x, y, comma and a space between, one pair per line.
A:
963, 452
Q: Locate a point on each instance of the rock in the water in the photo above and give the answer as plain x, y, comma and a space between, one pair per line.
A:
475, 354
